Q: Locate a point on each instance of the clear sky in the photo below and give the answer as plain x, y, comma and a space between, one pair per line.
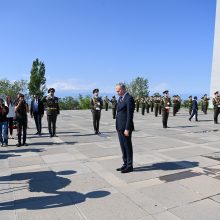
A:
97, 43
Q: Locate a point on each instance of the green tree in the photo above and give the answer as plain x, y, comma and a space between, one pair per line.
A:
13, 88
37, 84
138, 87
84, 102
68, 103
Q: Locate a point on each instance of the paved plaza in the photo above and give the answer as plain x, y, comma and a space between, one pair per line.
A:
72, 176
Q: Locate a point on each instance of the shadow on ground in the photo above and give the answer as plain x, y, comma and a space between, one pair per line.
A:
176, 165
48, 182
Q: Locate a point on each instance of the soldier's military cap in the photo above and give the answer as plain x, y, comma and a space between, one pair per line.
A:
95, 90
51, 89
113, 96
215, 92
190, 96
165, 92
205, 95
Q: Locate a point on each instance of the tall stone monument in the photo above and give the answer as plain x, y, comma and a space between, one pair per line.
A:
215, 76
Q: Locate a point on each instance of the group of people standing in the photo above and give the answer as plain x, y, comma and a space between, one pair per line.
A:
11, 112
14, 115
154, 104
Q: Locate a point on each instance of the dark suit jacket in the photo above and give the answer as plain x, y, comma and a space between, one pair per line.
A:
40, 107
194, 105
125, 112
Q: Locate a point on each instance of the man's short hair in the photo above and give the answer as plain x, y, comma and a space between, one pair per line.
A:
122, 85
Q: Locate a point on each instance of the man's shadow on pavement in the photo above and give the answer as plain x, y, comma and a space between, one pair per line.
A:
48, 182
176, 165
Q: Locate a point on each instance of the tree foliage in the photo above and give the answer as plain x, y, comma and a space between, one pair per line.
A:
138, 87
84, 102
37, 84
68, 103
13, 88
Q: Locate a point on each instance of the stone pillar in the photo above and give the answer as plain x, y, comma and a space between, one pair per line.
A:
215, 75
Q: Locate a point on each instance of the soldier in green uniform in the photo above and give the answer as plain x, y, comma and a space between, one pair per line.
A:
190, 104
147, 104
216, 105
205, 103
106, 101
157, 104
96, 105
175, 105
143, 105
53, 109
137, 103
114, 106
166, 104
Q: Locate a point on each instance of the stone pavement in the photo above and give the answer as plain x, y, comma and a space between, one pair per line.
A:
73, 176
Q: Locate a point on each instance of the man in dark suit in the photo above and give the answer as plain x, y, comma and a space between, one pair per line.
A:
37, 111
194, 109
125, 126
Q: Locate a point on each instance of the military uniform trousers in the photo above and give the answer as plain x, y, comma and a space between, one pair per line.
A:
175, 109
165, 115
147, 108
216, 113
156, 109
160, 109
190, 110
106, 107
137, 107
52, 119
113, 112
142, 109
204, 108
152, 107
96, 114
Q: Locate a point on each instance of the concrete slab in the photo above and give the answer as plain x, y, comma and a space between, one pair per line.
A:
204, 209
170, 194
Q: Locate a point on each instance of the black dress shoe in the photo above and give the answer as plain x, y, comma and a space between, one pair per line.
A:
121, 168
127, 170
18, 144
